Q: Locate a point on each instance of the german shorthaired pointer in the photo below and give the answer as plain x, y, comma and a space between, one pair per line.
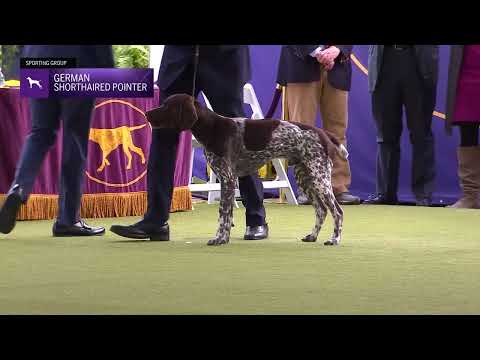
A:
238, 147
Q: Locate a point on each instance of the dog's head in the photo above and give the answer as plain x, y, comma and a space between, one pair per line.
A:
177, 112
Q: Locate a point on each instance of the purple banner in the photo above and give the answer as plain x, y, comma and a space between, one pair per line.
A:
119, 145
98, 83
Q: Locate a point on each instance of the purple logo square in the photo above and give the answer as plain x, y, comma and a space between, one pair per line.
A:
34, 83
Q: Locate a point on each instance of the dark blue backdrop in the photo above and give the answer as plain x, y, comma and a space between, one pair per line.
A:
361, 129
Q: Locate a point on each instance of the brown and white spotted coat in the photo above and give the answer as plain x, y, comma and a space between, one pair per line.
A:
238, 147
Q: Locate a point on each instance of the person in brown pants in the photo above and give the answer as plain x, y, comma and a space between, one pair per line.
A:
319, 76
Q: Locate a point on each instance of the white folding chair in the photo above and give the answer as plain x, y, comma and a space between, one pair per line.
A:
281, 181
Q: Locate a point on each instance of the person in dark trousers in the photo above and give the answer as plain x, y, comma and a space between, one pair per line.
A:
403, 76
319, 77
45, 116
221, 74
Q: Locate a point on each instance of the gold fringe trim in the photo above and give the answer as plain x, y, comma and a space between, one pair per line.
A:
44, 207
181, 199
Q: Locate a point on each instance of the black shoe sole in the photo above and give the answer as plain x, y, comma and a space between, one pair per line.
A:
77, 234
366, 202
8, 213
122, 231
255, 238
350, 202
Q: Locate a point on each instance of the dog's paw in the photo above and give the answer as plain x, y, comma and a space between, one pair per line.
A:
309, 238
217, 241
331, 242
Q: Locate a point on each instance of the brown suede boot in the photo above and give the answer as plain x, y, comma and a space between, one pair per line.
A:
469, 176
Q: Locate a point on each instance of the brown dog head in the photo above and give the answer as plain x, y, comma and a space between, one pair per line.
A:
177, 112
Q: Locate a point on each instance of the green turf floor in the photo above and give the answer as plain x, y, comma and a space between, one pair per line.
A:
392, 260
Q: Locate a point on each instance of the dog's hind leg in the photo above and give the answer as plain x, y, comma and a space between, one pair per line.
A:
328, 198
305, 183
337, 213
127, 152
138, 151
320, 215
227, 193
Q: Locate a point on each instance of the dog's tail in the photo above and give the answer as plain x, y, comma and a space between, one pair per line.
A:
330, 143
137, 127
343, 152
340, 148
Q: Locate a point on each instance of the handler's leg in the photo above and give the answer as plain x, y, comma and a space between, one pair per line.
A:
160, 175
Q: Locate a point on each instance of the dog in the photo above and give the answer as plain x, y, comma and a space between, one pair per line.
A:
238, 147
110, 139
32, 82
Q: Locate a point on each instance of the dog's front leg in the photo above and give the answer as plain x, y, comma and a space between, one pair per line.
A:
227, 194
105, 162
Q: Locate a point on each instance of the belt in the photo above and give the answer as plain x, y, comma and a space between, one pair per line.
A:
399, 47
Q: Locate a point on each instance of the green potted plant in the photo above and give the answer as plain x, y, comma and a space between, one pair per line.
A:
10, 61
131, 56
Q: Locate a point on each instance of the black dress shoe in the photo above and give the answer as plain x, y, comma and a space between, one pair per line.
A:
303, 200
78, 229
9, 210
380, 199
424, 202
346, 198
256, 232
142, 230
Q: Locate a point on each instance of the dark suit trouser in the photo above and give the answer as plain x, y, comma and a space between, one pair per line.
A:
45, 118
401, 85
162, 157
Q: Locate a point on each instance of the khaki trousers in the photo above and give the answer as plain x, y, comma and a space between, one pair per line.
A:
303, 101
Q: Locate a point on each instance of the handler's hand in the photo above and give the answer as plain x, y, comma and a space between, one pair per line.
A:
328, 55
329, 66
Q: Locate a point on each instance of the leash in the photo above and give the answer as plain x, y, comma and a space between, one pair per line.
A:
273, 106
195, 68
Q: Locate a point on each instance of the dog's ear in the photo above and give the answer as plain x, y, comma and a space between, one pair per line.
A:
177, 112
159, 118
187, 114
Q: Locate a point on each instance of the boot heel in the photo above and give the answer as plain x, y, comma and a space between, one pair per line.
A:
160, 237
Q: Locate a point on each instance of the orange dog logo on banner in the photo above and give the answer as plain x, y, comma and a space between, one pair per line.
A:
110, 139
119, 140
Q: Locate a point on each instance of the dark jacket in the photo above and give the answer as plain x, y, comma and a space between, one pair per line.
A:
297, 66
427, 61
222, 62
87, 56
456, 57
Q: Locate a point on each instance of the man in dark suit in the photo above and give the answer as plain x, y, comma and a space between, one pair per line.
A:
403, 75
320, 76
222, 73
45, 117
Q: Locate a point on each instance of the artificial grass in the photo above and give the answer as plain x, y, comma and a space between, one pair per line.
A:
392, 260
